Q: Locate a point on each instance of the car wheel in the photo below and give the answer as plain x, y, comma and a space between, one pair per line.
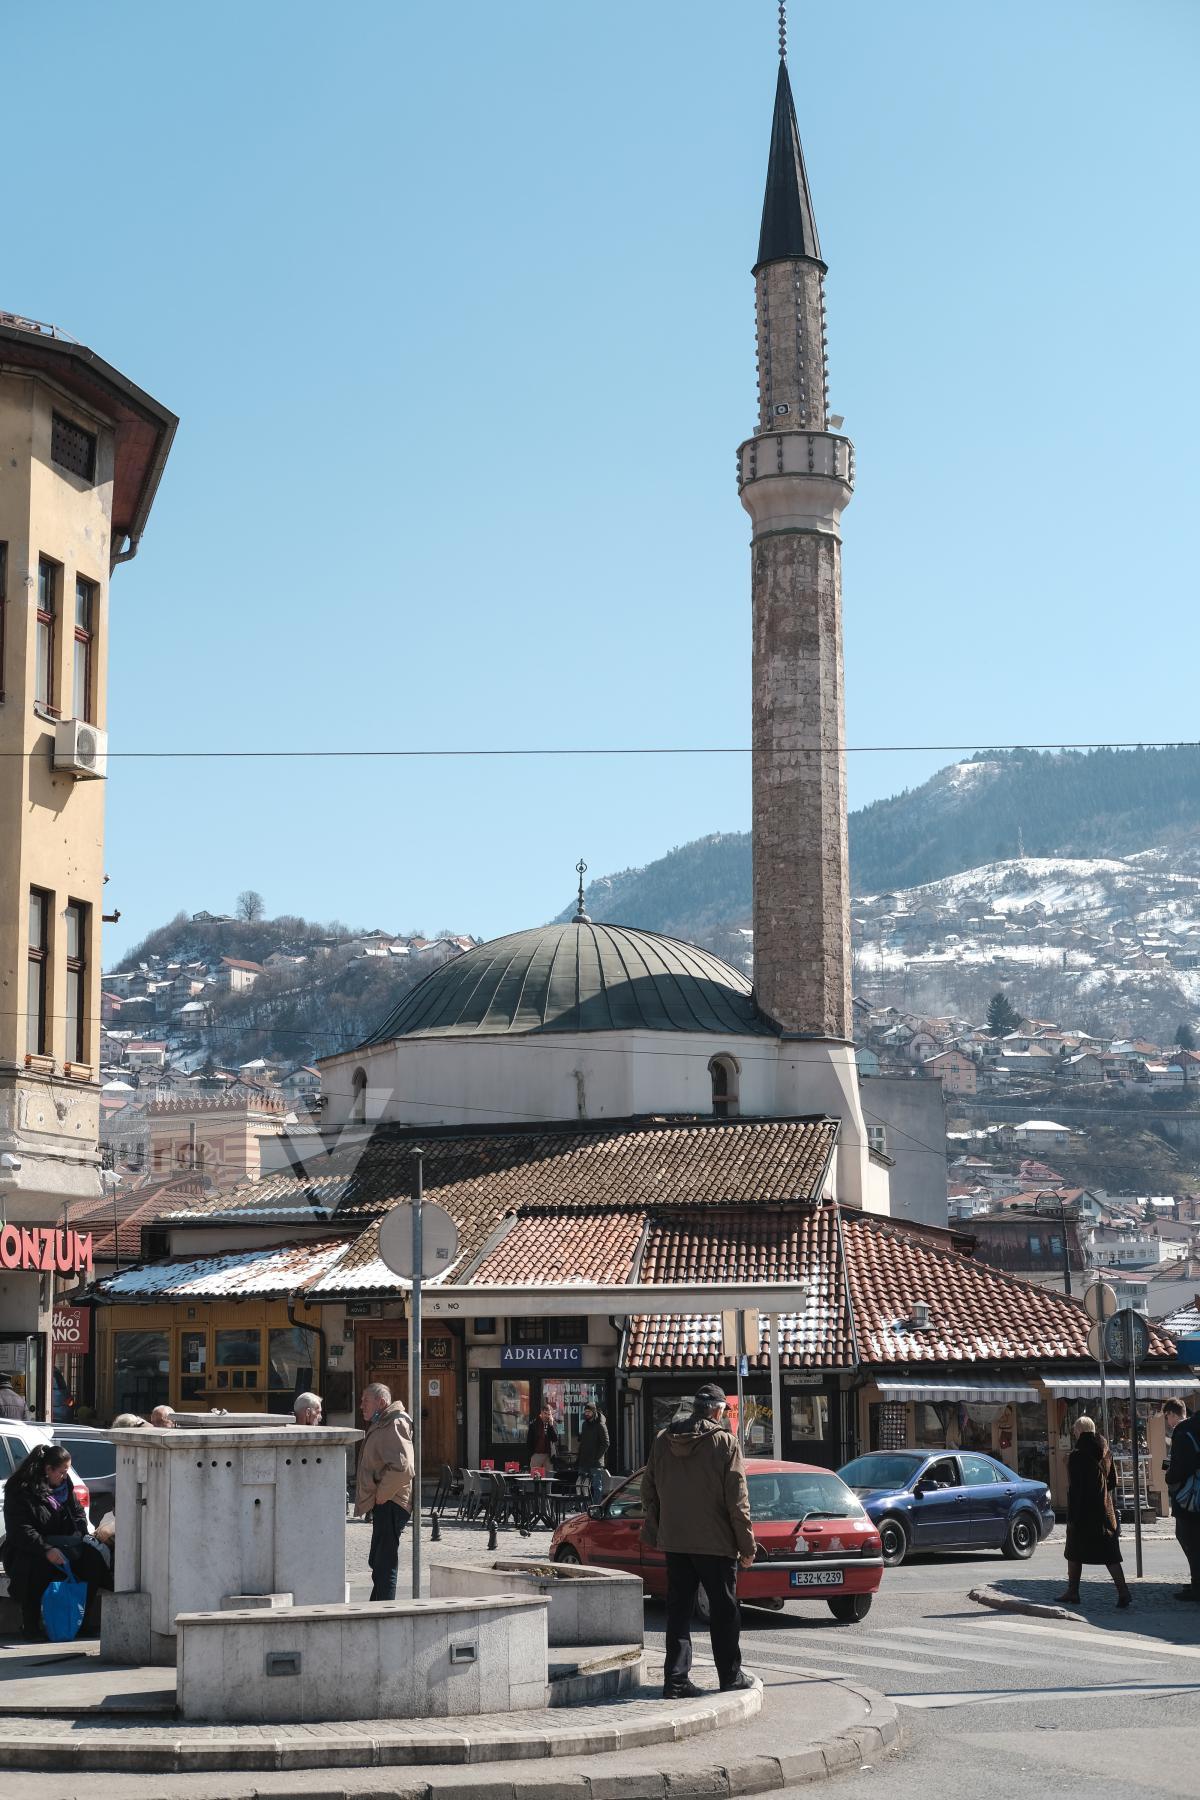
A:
1022, 1539
894, 1539
848, 1609
567, 1553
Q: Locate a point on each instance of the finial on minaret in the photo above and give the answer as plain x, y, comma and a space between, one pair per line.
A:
581, 917
783, 30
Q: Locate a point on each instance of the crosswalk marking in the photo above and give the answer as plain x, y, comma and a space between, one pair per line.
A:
1079, 1634
1035, 1696
948, 1643
877, 1658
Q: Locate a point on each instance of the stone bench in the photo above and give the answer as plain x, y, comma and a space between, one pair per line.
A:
587, 1606
394, 1659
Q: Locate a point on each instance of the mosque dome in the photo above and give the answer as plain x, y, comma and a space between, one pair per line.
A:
577, 977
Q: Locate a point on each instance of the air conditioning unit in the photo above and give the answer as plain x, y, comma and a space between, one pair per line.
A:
80, 749
920, 1315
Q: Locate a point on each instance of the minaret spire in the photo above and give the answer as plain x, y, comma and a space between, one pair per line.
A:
796, 476
789, 228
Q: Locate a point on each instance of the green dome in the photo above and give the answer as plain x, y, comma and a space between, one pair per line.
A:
577, 977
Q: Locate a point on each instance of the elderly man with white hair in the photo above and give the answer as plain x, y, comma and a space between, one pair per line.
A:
307, 1408
383, 1483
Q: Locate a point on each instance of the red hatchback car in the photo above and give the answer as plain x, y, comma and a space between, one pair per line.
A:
814, 1540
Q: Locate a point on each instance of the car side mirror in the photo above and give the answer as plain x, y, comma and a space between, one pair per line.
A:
922, 1488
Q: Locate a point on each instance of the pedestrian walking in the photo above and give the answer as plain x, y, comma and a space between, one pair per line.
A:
383, 1483
1093, 1528
12, 1404
1183, 1485
593, 1450
541, 1441
698, 1513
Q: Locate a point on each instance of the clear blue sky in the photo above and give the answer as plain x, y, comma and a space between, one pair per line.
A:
424, 284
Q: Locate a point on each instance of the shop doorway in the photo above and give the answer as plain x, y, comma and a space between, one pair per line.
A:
381, 1354
23, 1357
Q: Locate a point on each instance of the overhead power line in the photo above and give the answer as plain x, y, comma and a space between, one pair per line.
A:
433, 752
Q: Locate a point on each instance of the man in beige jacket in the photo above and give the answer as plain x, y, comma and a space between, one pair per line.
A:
383, 1483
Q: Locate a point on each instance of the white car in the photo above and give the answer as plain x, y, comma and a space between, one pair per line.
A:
17, 1438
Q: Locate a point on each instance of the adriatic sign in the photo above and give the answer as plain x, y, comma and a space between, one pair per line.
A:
541, 1356
42, 1247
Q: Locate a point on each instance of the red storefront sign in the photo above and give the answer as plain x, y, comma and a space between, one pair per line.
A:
72, 1329
42, 1247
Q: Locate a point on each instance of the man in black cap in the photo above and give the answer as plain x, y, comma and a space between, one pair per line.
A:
698, 1513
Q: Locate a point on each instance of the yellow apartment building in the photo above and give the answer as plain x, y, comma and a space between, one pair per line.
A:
82, 451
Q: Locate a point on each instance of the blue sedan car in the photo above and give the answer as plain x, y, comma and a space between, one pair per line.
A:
949, 1500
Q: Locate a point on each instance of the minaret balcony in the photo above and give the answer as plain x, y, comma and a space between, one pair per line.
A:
796, 480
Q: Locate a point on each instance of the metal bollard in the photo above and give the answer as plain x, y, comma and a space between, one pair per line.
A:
492, 1535
435, 1533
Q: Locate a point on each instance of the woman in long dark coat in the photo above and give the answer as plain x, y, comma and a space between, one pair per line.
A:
1092, 1523
44, 1525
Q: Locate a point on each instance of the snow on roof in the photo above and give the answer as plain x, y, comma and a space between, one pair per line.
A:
1041, 1125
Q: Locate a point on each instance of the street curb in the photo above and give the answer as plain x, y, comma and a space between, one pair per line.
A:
989, 1596
880, 1734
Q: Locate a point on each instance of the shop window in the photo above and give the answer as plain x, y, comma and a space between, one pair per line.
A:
193, 1364
566, 1398
291, 1365
141, 1371
238, 1359
548, 1331
527, 1331
809, 1416
510, 1413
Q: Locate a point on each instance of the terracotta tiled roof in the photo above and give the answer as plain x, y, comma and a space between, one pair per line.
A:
484, 1174
977, 1314
129, 1209
565, 1247
744, 1244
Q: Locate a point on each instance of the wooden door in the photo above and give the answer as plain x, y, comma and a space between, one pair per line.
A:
381, 1354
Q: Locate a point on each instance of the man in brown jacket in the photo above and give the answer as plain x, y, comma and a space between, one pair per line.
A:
698, 1513
383, 1483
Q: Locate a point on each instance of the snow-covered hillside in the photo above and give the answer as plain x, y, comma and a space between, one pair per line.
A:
1117, 939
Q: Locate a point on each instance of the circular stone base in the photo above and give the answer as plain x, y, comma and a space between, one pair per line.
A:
93, 1743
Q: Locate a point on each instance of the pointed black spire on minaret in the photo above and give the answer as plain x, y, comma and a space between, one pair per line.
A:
788, 226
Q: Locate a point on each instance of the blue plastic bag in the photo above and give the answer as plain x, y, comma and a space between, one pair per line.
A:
63, 1606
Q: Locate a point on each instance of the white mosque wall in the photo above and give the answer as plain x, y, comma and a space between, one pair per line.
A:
605, 1075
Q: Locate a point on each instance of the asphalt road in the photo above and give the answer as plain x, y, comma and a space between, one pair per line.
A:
995, 1702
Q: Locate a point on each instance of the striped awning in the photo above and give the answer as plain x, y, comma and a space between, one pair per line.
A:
997, 1393
1149, 1387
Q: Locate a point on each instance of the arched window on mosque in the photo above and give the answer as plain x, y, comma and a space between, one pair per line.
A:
723, 1073
358, 1100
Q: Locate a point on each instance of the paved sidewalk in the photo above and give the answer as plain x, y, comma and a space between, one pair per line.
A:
808, 1728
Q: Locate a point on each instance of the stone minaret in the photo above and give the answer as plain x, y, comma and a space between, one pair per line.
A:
795, 476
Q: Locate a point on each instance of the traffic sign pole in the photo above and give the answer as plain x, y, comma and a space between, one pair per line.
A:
414, 1367
1131, 1339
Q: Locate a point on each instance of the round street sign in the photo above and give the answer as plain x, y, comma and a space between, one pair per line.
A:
1100, 1301
1127, 1337
1095, 1343
439, 1240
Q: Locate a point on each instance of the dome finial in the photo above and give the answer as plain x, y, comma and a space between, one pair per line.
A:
581, 917
783, 30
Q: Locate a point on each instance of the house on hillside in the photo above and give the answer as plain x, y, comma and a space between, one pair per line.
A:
236, 975
956, 1071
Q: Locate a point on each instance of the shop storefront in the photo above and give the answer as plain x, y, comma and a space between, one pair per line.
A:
247, 1357
812, 1413
529, 1378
